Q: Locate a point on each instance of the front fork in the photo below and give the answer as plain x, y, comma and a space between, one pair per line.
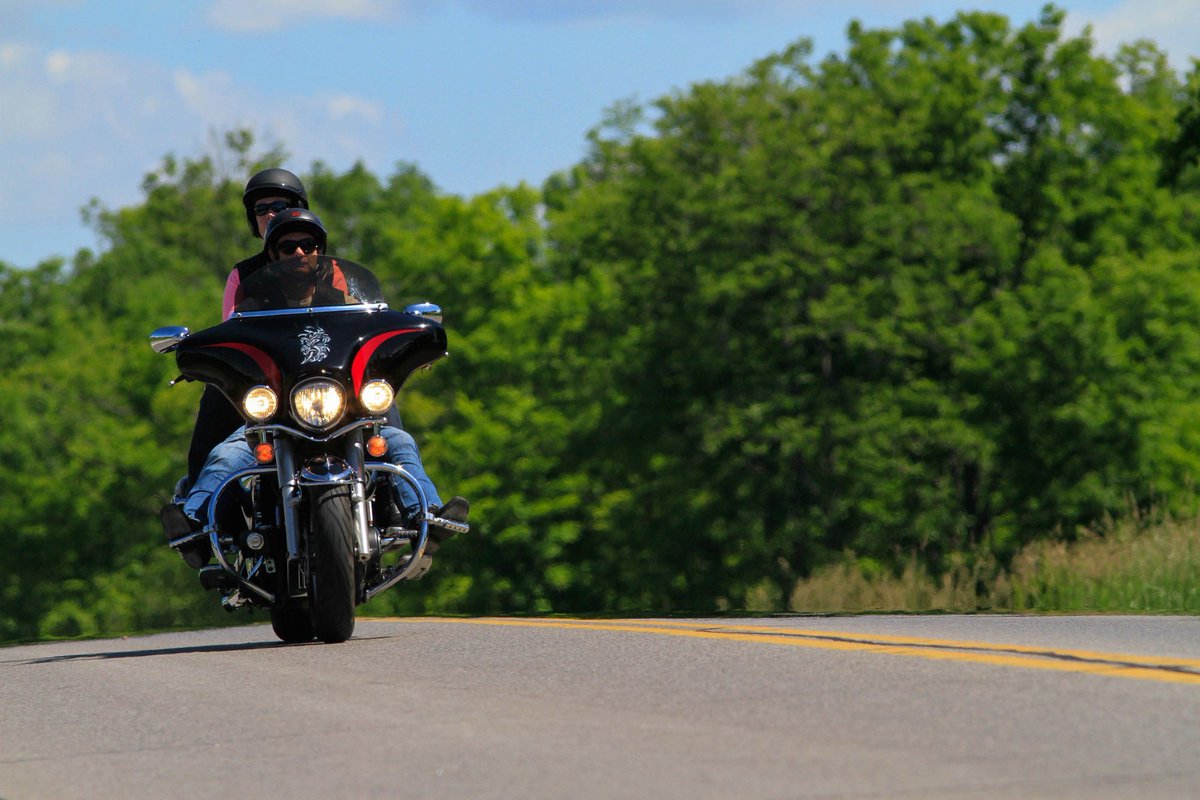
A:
358, 498
291, 479
289, 497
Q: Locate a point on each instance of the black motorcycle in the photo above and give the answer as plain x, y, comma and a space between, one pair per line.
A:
312, 356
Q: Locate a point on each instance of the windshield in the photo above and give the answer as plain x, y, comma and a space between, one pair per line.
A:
307, 281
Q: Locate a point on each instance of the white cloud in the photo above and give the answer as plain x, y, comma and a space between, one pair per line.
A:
240, 16
57, 93
213, 96
58, 64
1171, 24
92, 124
344, 106
11, 55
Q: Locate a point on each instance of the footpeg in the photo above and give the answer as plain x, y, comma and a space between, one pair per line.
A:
215, 577
451, 525
233, 601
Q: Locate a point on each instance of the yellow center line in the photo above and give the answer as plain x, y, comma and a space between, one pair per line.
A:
1169, 661
1118, 665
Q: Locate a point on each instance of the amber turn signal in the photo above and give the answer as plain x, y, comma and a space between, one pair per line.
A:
264, 452
377, 446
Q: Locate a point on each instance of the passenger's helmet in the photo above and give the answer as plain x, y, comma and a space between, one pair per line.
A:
268, 182
294, 220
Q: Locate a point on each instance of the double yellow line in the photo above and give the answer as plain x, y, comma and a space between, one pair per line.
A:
1115, 665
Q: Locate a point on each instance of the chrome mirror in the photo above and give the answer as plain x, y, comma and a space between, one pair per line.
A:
426, 310
164, 340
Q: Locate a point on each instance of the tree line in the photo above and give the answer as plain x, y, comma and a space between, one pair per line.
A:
933, 297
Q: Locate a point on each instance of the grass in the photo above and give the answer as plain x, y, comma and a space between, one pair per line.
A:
1132, 566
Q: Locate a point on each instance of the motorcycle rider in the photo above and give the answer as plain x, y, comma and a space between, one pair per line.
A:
289, 231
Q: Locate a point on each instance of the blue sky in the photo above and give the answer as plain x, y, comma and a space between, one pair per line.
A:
476, 93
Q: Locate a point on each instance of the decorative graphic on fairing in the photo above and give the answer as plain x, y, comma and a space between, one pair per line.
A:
314, 344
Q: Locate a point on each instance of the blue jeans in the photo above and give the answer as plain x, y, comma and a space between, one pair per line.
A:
234, 454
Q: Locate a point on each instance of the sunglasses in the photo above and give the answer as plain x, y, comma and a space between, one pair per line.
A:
275, 206
307, 246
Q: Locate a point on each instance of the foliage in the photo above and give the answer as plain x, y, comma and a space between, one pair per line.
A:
1141, 563
928, 302
886, 304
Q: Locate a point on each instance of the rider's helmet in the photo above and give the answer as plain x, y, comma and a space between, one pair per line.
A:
294, 220
272, 182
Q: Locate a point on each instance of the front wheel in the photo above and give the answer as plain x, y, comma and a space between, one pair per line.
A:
331, 564
292, 624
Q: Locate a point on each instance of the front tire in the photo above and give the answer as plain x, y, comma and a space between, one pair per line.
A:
292, 625
331, 565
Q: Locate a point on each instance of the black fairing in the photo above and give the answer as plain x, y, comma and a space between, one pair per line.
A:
352, 339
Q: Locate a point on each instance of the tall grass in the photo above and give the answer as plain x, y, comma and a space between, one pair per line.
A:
1131, 565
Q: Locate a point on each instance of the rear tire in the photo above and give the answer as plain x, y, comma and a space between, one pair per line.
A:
332, 565
292, 625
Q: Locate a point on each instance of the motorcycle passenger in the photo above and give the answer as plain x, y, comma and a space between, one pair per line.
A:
289, 231
268, 192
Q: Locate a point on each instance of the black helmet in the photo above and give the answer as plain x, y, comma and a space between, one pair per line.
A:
273, 181
292, 220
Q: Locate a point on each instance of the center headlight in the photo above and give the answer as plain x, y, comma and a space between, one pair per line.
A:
318, 403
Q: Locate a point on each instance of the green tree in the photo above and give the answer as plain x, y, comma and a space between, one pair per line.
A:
866, 305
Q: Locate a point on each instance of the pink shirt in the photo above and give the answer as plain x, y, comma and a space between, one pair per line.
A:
231, 287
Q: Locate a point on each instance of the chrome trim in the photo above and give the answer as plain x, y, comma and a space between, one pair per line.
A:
164, 340
410, 566
358, 499
425, 310
187, 537
344, 472
213, 532
290, 496
393, 538
364, 422
448, 524
365, 308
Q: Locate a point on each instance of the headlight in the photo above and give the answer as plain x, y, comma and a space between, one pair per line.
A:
377, 396
318, 403
260, 404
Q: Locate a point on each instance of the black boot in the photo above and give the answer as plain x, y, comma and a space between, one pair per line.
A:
455, 510
177, 525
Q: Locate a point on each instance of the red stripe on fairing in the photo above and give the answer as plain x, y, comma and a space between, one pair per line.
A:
267, 364
359, 367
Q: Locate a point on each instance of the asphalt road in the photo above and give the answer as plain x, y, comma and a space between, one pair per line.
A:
797, 707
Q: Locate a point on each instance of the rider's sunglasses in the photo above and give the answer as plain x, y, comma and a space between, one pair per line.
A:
275, 206
307, 246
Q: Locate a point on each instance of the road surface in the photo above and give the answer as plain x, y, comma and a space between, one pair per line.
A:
791, 707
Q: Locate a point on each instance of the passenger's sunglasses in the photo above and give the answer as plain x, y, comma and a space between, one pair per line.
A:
275, 206
307, 246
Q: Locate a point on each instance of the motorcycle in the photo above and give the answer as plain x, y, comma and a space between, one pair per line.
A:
312, 357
